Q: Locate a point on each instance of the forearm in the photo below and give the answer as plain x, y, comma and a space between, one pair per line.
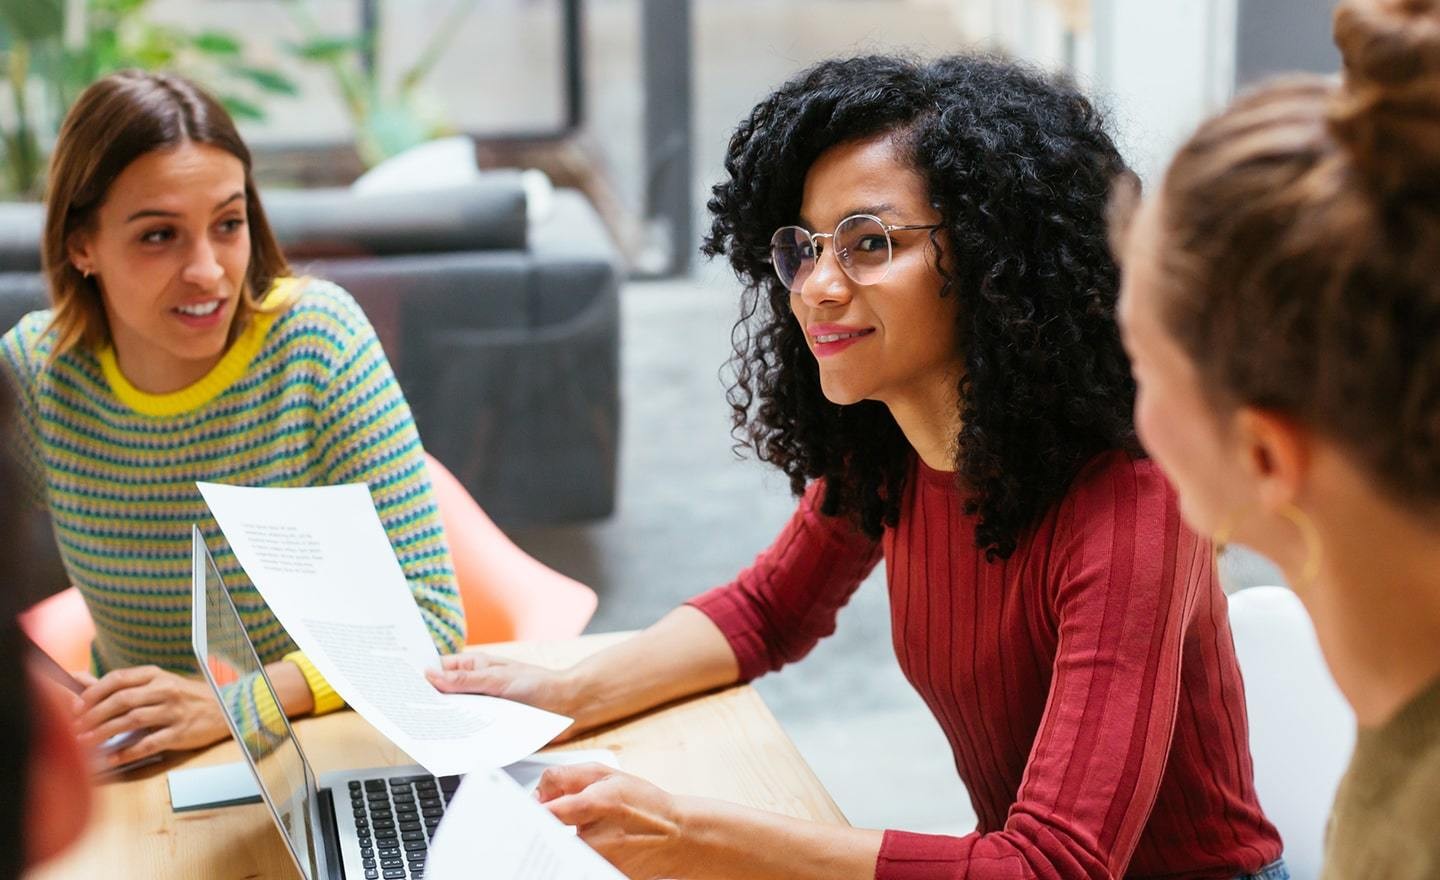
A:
725, 840
291, 688
684, 653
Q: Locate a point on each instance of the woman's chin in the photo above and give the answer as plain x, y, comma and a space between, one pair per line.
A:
840, 394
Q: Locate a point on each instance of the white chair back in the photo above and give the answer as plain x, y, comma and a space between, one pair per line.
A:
1302, 731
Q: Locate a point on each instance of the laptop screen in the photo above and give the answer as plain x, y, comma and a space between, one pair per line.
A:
224, 650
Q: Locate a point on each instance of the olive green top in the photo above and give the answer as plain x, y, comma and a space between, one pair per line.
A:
1386, 822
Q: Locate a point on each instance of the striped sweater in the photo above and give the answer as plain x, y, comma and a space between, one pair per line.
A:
303, 397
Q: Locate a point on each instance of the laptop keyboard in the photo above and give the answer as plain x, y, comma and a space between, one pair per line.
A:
395, 819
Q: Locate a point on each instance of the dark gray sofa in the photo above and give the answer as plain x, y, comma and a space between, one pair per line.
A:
503, 331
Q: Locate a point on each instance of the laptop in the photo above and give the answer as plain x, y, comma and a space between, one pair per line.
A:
374, 823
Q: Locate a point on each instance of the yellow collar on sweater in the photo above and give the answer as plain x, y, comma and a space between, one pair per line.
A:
231, 366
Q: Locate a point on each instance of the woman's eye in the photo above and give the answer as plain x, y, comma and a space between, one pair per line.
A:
232, 226
157, 236
870, 244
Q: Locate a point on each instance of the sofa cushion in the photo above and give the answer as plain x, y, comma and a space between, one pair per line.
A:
487, 214
20, 228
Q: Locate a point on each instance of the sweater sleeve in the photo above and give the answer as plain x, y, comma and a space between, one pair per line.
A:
367, 435
787, 600
21, 360
1124, 577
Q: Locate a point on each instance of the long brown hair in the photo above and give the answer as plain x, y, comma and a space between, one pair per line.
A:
1301, 247
117, 120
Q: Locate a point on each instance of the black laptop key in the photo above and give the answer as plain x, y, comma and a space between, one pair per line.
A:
411, 845
432, 811
372, 874
430, 802
394, 874
409, 826
412, 835
406, 816
367, 851
374, 785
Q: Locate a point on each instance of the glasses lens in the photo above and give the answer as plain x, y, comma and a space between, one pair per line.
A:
793, 255
863, 248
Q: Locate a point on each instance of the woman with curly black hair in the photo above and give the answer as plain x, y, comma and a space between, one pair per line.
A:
928, 350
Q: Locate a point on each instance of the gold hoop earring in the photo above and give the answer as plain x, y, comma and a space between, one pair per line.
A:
1296, 517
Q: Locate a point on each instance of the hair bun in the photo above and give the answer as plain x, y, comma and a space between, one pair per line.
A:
1387, 110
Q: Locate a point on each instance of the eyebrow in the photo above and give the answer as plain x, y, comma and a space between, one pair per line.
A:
152, 212
877, 209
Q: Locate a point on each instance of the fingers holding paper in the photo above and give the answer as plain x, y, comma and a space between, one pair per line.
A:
476, 673
177, 712
635, 825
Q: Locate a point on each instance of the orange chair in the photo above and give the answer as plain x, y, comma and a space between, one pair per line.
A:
62, 627
507, 593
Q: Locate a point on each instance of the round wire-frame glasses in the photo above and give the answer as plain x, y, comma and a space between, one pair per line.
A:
861, 243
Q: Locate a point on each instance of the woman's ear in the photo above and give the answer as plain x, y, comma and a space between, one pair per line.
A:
1275, 454
57, 791
80, 253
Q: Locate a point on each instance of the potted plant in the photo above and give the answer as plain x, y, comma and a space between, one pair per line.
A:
50, 50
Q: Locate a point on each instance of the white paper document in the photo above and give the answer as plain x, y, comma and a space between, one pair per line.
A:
323, 563
494, 828
527, 772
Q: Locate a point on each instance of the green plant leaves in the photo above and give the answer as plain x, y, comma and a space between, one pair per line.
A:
267, 80
217, 44
240, 108
34, 20
113, 35
325, 48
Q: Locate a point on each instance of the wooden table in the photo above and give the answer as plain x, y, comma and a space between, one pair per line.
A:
725, 745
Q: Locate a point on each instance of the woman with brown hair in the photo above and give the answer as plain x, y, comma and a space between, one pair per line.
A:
1281, 304
179, 349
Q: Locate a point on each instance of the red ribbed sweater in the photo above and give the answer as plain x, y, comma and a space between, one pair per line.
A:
1088, 684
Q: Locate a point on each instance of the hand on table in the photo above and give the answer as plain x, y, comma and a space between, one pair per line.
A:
635, 825
536, 686
179, 712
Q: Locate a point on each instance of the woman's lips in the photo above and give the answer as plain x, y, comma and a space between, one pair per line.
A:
200, 314
828, 340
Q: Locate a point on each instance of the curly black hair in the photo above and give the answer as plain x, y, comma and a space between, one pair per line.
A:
1019, 166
